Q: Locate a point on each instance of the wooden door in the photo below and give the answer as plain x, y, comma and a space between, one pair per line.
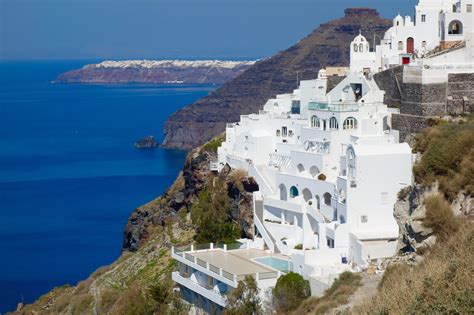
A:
410, 45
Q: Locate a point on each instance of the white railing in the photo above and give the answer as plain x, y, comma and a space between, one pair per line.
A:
186, 256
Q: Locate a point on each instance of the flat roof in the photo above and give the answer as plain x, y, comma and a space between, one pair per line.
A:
237, 262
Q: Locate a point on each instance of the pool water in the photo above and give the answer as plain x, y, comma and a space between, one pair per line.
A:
276, 263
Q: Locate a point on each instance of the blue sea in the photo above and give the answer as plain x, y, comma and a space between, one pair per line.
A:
69, 174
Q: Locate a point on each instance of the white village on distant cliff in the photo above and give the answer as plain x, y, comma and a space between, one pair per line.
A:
329, 161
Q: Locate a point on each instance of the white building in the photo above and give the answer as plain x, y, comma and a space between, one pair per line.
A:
329, 168
328, 164
439, 40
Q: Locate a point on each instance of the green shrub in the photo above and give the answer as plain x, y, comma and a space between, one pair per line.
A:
439, 216
299, 246
212, 214
290, 291
213, 144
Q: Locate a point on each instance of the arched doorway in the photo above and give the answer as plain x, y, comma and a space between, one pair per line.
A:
455, 28
410, 45
294, 192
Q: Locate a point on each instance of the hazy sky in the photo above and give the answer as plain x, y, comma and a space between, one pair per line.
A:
119, 29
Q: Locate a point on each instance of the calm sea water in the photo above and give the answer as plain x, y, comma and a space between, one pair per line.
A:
69, 175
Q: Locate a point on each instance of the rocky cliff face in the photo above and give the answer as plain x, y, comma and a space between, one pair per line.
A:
328, 45
139, 281
162, 71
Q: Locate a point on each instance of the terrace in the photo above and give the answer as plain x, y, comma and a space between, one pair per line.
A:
334, 107
227, 263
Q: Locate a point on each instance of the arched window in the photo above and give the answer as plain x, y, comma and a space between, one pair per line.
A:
400, 45
327, 199
333, 124
313, 171
318, 202
307, 195
423, 44
275, 105
356, 47
315, 122
350, 123
283, 192
294, 192
300, 168
361, 47
455, 28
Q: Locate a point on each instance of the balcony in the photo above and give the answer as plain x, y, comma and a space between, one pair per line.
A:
295, 206
208, 292
334, 107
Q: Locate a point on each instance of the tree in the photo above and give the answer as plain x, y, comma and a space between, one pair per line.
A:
245, 299
212, 214
290, 290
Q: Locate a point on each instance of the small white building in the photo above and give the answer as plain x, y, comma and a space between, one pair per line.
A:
439, 39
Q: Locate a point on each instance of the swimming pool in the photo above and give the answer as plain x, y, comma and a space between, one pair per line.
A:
276, 263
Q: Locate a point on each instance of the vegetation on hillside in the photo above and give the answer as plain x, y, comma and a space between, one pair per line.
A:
439, 216
245, 298
336, 295
213, 144
212, 215
448, 157
441, 284
290, 291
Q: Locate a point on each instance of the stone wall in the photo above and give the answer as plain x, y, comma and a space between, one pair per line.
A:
408, 124
460, 93
390, 81
418, 101
454, 97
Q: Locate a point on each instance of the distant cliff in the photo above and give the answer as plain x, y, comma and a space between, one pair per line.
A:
162, 71
328, 45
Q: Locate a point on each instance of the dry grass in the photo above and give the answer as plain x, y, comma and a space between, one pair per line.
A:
439, 216
82, 304
441, 284
237, 176
448, 157
335, 296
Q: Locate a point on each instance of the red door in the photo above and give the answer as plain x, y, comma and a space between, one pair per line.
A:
410, 45
405, 60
